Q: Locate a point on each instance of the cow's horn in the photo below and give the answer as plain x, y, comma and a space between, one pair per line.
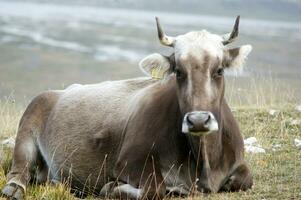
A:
231, 37
164, 39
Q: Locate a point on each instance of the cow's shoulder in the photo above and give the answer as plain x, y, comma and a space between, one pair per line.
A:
159, 94
154, 110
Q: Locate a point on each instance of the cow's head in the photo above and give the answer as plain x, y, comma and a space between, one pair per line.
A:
198, 62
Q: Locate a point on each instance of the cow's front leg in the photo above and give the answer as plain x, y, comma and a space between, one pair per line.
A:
240, 179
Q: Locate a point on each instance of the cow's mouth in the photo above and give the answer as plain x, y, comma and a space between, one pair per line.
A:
199, 123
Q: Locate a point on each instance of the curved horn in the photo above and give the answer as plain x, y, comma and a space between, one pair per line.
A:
233, 35
164, 39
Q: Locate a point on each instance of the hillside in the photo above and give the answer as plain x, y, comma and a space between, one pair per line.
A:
266, 9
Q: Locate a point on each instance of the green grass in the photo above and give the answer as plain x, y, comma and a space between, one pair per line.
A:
277, 174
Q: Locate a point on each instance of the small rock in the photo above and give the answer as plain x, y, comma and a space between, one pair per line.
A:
254, 149
274, 112
298, 108
276, 147
250, 141
251, 146
298, 143
10, 143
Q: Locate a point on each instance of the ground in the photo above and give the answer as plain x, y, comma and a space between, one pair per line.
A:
277, 173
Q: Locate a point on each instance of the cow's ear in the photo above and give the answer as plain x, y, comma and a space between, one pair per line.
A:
236, 57
155, 65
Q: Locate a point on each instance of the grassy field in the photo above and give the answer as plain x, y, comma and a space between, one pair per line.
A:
277, 173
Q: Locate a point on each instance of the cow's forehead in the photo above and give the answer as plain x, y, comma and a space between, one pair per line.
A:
195, 43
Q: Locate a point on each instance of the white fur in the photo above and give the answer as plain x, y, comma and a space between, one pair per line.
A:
196, 42
128, 189
75, 85
240, 59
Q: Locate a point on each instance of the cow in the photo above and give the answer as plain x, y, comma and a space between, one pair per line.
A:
171, 133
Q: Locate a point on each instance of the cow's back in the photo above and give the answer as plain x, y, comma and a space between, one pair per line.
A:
84, 128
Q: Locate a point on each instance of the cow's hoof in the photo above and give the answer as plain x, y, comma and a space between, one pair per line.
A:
13, 191
55, 182
228, 185
204, 187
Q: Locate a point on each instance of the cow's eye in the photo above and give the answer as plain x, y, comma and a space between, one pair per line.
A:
220, 71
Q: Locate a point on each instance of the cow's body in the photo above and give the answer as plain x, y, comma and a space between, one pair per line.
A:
125, 138
98, 117
88, 127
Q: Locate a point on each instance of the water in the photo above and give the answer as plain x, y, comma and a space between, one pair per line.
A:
108, 35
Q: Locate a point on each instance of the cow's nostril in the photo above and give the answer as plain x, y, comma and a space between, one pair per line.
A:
208, 119
189, 121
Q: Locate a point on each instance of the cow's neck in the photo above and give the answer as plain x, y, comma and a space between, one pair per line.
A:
206, 151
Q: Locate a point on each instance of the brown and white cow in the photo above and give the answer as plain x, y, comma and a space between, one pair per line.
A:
141, 137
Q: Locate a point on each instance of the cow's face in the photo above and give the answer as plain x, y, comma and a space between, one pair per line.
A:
198, 63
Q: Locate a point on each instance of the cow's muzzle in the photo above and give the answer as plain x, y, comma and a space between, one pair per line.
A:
199, 123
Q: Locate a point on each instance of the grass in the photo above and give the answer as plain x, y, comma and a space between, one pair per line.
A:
277, 174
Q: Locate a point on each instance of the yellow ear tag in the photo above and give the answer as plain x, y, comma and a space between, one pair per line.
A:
157, 73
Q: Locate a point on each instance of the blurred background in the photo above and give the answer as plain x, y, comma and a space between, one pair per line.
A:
52, 44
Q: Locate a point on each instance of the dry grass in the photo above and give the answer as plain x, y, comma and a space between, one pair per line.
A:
277, 174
